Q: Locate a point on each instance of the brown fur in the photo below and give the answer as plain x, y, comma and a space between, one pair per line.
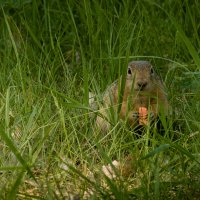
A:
143, 88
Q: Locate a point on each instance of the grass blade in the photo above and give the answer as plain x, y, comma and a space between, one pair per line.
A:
14, 189
157, 150
15, 151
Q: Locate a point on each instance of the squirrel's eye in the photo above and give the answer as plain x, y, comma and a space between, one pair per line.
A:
129, 71
152, 71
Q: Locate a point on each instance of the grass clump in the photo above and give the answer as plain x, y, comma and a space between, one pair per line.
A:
52, 54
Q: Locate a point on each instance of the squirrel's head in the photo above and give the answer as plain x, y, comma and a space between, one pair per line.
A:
141, 74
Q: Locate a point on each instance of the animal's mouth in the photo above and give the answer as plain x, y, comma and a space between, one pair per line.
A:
140, 89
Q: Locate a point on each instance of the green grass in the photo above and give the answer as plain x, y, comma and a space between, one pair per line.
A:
52, 54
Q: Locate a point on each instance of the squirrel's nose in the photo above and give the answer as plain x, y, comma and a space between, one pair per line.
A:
142, 84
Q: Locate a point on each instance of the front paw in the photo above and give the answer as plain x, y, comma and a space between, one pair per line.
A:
135, 115
151, 116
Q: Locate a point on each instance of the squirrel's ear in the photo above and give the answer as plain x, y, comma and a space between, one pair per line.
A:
129, 72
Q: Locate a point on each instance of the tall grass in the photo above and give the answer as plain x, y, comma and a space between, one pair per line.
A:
52, 54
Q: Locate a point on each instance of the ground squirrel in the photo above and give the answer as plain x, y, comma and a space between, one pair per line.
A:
143, 98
